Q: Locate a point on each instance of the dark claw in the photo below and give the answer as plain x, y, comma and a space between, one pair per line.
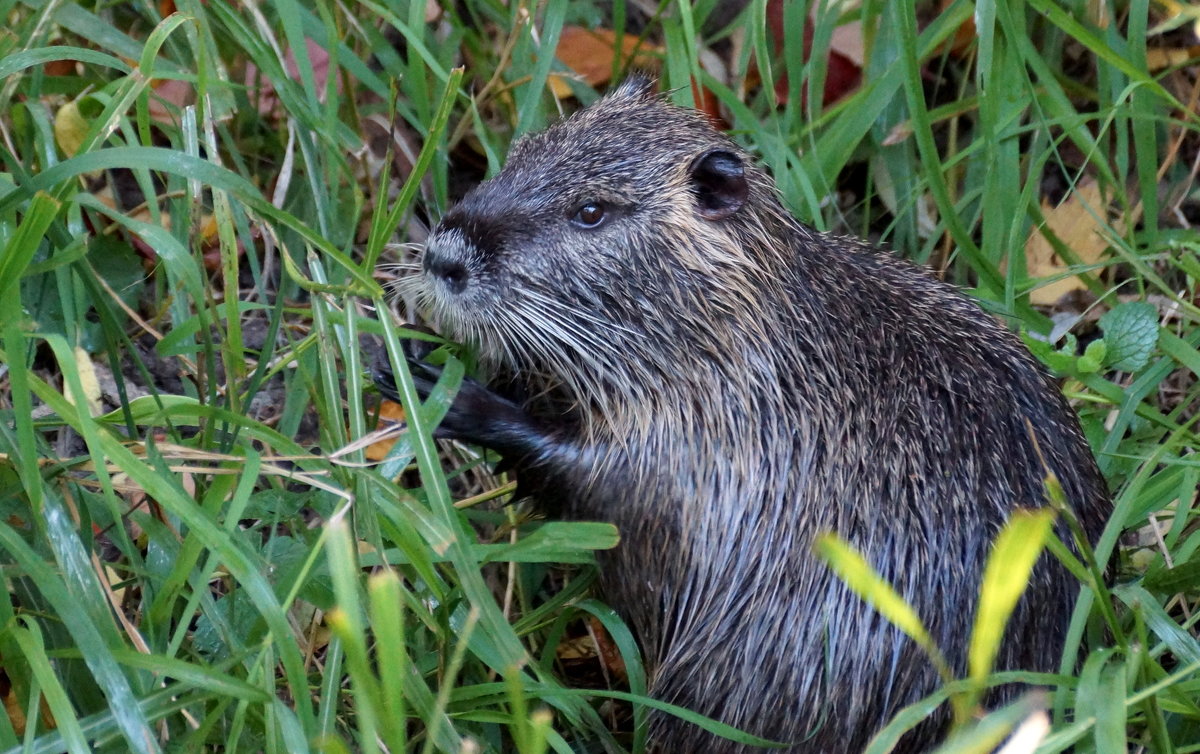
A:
384, 378
524, 489
425, 375
416, 349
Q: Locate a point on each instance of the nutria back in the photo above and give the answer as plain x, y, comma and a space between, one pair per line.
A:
725, 384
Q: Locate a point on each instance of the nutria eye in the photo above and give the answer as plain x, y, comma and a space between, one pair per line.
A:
589, 215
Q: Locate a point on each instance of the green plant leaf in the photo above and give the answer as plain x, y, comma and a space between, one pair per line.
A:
1093, 357
1182, 577
558, 542
1130, 332
22, 245
151, 410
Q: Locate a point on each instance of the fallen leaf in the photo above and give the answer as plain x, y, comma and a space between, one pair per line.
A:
927, 214
1097, 13
170, 97
843, 70
15, 708
964, 35
389, 413
1161, 58
60, 68
1077, 221
91, 386
591, 54
576, 648
263, 90
607, 649
12, 705
70, 128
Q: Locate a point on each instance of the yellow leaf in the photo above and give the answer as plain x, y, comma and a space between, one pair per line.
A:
1161, 58
856, 572
69, 128
91, 386
1004, 580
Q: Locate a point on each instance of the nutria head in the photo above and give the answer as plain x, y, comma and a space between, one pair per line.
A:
623, 238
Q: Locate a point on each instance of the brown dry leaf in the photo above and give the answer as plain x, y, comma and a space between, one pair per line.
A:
391, 413
843, 64
1161, 58
319, 638
211, 242
170, 97
591, 54
137, 501
13, 707
577, 648
60, 68
927, 213
1078, 222
609, 654
964, 35
264, 89
1097, 11
848, 41
898, 134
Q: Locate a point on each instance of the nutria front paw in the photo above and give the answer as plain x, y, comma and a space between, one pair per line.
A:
477, 415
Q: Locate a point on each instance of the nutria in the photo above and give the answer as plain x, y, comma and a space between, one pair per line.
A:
723, 384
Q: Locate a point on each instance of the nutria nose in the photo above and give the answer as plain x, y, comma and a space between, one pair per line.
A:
453, 274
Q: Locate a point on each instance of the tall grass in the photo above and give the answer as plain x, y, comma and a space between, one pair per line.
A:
199, 555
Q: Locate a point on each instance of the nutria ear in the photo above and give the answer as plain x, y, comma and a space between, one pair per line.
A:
719, 180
